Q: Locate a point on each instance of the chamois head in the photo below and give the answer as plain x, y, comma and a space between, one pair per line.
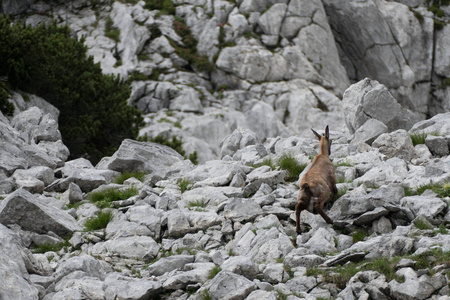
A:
325, 142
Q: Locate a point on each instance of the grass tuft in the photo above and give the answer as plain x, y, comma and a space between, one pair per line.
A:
111, 31
98, 222
387, 266
265, 162
292, 166
214, 271
126, 175
184, 184
359, 236
104, 198
197, 204
418, 138
50, 247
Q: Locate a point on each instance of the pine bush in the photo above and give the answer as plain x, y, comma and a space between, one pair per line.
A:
49, 62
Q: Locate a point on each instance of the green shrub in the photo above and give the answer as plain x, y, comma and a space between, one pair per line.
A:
292, 166
165, 6
98, 222
189, 50
126, 175
418, 138
176, 143
104, 198
193, 157
6, 107
48, 62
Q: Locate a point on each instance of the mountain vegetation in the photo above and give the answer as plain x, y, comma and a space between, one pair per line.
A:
49, 62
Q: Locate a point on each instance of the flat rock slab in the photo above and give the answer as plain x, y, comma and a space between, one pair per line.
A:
369, 217
24, 209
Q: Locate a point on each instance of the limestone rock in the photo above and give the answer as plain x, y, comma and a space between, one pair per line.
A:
24, 209
13, 268
368, 99
238, 139
369, 132
438, 145
228, 285
395, 144
155, 159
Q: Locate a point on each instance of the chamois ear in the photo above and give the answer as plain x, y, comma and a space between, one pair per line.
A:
318, 135
327, 132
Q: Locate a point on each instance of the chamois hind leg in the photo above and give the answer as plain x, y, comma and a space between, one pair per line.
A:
319, 206
301, 205
334, 192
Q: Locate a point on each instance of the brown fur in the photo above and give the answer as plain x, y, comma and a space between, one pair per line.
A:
318, 181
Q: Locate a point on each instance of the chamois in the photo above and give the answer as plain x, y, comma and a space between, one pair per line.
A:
318, 181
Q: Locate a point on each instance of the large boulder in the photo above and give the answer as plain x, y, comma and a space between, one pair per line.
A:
155, 159
238, 139
395, 144
438, 124
228, 285
366, 31
368, 99
31, 139
24, 209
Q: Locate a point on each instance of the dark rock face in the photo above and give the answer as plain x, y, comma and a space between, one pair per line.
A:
14, 7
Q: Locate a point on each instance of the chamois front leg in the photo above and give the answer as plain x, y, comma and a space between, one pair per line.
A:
319, 207
301, 205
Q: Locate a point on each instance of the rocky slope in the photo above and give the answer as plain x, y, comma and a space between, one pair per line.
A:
275, 67
225, 229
